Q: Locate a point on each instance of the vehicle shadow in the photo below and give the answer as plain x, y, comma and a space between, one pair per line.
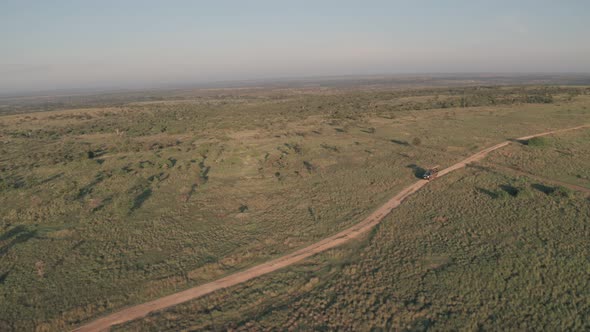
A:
418, 171
520, 141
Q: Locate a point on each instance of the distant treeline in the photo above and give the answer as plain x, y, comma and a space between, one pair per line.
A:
455, 96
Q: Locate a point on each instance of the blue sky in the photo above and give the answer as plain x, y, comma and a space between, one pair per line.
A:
60, 44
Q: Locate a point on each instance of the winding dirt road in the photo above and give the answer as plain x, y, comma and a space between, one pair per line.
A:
142, 310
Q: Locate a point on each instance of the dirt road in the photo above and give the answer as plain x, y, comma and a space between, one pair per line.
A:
141, 310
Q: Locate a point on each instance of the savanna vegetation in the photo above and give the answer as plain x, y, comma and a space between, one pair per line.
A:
479, 249
119, 203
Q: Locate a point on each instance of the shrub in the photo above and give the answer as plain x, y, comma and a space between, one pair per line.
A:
561, 191
308, 166
416, 141
525, 192
502, 195
168, 163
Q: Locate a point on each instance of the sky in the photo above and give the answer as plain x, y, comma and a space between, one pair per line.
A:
59, 44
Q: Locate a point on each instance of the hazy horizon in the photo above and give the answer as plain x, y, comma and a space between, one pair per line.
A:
70, 44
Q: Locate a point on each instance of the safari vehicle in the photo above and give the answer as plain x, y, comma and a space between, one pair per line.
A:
431, 173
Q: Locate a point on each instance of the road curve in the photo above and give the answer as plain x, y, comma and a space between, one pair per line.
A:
142, 310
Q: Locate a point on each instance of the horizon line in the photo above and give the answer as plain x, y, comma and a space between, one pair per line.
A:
240, 83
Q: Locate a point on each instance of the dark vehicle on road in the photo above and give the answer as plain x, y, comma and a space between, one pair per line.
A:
431, 173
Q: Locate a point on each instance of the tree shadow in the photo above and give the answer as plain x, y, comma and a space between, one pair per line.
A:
87, 189
418, 171
51, 178
3, 277
420, 324
15, 182
479, 167
512, 191
13, 232
96, 153
368, 130
308, 166
487, 192
102, 204
404, 143
405, 155
543, 188
18, 234
141, 198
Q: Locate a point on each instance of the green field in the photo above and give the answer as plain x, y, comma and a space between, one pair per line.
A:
119, 203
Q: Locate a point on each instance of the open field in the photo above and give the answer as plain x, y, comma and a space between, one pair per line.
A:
477, 249
114, 205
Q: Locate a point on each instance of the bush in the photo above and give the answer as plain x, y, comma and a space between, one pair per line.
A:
502, 195
561, 191
525, 192
416, 141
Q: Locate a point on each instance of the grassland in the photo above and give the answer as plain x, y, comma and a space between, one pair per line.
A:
113, 205
563, 157
476, 250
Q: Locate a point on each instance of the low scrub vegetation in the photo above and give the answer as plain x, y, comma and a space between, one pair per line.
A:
564, 157
123, 202
451, 257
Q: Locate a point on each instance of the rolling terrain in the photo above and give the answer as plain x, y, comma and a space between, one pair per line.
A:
357, 230
113, 205
476, 249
